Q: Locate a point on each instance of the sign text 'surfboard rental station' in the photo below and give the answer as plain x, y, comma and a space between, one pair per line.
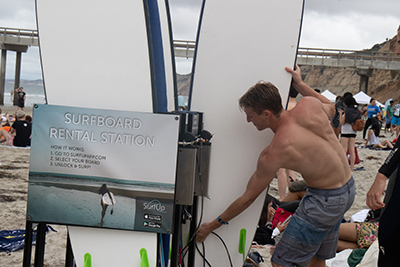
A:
113, 158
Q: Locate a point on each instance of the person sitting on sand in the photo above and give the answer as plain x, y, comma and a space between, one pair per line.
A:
373, 137
297, 190
3, 116
12, 117
22, 130
263, 235
5, 135
357, 235
6, 126
28, 118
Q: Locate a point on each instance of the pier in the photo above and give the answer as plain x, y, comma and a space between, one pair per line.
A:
19, 40
16, 40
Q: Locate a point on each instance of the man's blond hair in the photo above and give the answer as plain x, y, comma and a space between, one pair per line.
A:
262, 96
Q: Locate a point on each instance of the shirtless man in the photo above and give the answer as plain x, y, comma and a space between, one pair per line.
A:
304, 142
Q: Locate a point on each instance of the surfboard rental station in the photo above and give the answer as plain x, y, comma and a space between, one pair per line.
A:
113, 158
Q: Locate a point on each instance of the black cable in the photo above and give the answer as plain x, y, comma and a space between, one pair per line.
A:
226, 248
204, 253
201, 254
201, 217
185, 249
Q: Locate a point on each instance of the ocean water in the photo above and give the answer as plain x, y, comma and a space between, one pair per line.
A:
75, 200
76, 207
34, 93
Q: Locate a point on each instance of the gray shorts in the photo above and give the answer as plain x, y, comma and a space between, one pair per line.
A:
314, 228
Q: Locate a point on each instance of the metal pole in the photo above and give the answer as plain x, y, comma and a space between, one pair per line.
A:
28, 245
3, 75
69, 256
176, 236
192, 232
17, 77
40, 243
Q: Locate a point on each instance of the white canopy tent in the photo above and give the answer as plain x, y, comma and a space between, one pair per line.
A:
363, 98
329, 95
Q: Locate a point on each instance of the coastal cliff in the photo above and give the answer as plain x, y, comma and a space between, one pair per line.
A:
383, 84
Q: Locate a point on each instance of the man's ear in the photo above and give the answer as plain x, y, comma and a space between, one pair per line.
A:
267, 113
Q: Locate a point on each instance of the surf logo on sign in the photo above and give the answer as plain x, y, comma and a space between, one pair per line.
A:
154, 205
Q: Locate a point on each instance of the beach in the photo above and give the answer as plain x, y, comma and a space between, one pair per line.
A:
14, 171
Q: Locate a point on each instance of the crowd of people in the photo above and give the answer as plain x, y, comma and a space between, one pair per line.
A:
313, 138
352, 235
16, 129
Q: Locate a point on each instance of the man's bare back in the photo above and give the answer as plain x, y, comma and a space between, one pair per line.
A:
305, 142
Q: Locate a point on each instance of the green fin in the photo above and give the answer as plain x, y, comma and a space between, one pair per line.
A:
87, 260
242, 243
144, 260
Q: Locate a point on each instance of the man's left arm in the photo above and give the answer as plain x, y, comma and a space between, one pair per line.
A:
260, 179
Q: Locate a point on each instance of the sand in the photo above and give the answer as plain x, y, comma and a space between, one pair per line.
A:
12, 109
14, 171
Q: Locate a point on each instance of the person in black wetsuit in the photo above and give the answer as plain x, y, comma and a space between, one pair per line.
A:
389, 228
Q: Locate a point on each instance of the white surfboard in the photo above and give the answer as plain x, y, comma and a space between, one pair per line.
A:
109, 199
169, 60
238, 44
96, 55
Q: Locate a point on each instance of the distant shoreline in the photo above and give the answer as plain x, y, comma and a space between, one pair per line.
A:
12, 109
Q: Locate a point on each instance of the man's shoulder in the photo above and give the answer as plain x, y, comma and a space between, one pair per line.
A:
280, 141
308, 99
307, 103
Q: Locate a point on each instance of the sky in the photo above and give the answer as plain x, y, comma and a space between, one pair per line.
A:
334, 24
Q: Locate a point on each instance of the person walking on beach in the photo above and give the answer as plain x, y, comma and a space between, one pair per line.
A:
304, 142
388, 117
21, 98
107, 199
396, 120
373, 111
389, 223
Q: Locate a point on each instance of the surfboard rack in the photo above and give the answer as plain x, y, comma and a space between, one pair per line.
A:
191, 179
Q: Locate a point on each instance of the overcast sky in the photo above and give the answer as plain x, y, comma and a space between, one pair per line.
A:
335, 24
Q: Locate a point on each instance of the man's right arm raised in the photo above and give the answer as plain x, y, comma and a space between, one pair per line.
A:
306, 90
